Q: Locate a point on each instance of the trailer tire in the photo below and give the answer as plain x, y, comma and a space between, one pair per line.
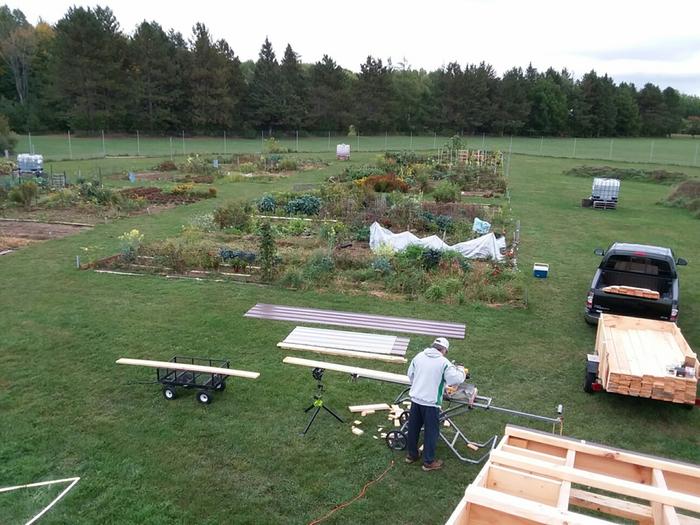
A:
204, 397
588, 382
169, 392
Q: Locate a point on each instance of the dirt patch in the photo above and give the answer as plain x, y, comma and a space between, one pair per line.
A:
16, 234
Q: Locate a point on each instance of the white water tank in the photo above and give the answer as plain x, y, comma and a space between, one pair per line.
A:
605, 189
30, 163
342, 151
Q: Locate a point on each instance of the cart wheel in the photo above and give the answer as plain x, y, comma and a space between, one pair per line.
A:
203, 397
396, 440
404, 417
588, 382
169, 392
221, 386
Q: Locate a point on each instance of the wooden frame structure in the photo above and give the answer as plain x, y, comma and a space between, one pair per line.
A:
534, 477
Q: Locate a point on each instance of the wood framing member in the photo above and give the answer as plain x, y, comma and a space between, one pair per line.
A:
530, 477
369, 408
169, 365
343, 353
353, 370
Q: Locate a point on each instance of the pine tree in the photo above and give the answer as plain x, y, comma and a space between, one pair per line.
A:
264, 100
294, 91
329, 96
374, 96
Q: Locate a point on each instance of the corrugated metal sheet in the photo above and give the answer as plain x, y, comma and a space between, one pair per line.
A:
357, 320
344, 340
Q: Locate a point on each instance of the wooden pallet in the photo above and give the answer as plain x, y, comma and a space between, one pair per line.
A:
646, 293
635, 355
533, 477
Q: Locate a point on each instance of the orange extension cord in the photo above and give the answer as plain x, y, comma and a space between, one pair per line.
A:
353, 500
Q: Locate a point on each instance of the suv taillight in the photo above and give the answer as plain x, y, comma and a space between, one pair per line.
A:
589, 300
674, 315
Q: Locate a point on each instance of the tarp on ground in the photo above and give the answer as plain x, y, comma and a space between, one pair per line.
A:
484, 247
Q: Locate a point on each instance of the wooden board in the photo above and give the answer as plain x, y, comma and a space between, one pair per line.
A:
354, 370
357, 320
525, 482
345, 340
646, 293
635, 357
369, 408
343, 353
192, 368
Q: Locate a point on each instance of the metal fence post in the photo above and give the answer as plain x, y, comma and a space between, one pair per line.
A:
70, 147
183, 142
138, 143
651, 152
104, 147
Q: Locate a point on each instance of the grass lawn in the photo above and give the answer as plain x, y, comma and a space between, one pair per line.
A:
67, 410
677, 151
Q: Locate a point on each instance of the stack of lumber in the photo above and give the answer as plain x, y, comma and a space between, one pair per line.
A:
637, 358
349, 344
646, 293
534, 477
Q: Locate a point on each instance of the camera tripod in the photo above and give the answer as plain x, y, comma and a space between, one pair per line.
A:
318, 404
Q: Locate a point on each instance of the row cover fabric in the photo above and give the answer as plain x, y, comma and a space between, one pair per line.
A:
484, 247
481, 227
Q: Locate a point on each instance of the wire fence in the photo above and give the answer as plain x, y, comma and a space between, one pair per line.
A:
682, 151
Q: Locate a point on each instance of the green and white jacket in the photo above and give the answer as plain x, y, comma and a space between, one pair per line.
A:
429, 372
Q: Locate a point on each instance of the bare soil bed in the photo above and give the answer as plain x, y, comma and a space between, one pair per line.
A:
16, 234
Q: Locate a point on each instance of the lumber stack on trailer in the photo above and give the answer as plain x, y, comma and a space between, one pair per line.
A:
646, 293
534, 477
638, 357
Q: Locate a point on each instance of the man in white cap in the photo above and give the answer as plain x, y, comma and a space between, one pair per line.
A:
429, 372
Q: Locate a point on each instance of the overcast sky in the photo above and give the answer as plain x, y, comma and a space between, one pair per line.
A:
639, 41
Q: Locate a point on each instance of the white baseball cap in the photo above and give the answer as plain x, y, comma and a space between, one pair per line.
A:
442, 342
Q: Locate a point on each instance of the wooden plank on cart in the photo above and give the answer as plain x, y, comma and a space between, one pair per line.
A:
169, 365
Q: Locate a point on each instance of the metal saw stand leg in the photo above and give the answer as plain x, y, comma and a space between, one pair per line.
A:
460, 437
318, 405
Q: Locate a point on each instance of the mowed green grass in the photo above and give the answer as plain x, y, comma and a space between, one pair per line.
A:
67, 409
675, 151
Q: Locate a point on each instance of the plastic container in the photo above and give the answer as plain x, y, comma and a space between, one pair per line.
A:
540, 270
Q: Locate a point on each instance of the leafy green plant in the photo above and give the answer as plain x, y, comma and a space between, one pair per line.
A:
183, 189
234, 215
203, 223
319, 268
430, 258
362, 234
197, 165
382, 265
63, 198
129, 244
94, 192
293, 278
435, 292
305, 205
287, 164
24, 193
446, 192
248, 167
267, 204
272, 145
268, 253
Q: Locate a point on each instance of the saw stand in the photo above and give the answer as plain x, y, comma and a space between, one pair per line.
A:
318, 404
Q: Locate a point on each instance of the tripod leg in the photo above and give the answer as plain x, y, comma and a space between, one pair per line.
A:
318, 409
332, 413
310, 407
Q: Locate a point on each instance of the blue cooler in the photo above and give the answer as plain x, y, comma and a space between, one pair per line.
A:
540, 270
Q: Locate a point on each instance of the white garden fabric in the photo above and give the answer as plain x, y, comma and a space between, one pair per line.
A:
484, 247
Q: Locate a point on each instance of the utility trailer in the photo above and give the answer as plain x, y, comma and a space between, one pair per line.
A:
201, 373
642, 358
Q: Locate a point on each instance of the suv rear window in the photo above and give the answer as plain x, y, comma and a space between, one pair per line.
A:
637, 264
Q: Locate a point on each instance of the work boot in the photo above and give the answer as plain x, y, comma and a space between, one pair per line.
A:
435, 465
410, 459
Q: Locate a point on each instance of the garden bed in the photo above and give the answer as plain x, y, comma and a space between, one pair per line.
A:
17, 234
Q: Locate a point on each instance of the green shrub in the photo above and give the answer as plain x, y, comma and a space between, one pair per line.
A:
267, 204
446, 192
6, 167
360, 172
197, 165
296, 227
287, 165
8, 139
430, 258
268, 253
129, 244
64, 198
234, 215
305, 205
272, 145
202, 223
408, 280
247, 167
319, 268
93, 191
292, 278
382, 265
361, 275
435, 292
362, 234
24, 193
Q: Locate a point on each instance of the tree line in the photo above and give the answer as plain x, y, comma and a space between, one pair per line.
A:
85, 74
